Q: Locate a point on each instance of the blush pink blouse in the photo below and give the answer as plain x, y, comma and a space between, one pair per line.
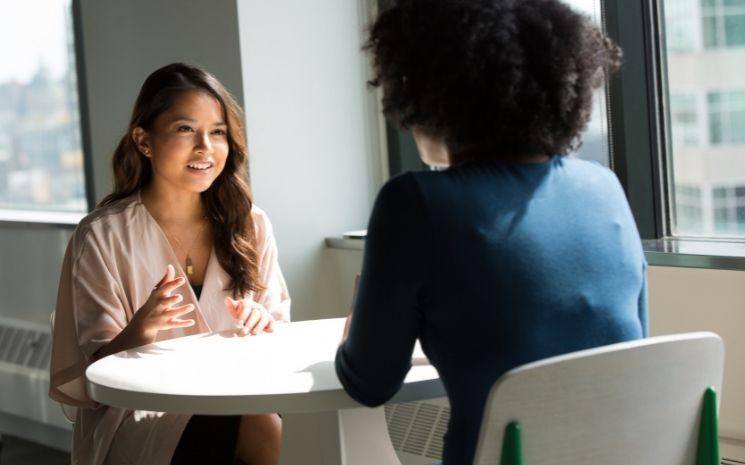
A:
114, 259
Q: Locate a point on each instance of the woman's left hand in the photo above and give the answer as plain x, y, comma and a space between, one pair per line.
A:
251, 315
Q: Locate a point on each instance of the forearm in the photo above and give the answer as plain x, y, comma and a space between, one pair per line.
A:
129, 338
157, 314
347, 323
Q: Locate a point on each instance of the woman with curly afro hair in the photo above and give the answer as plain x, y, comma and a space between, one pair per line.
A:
513, 253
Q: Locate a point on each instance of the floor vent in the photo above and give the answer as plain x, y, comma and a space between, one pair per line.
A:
417, 428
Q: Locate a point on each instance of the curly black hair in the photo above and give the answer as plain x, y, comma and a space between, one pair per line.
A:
491, 78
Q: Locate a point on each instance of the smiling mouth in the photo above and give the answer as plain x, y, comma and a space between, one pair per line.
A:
201, 166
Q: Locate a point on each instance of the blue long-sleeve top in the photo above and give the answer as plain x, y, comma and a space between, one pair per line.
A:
491, 266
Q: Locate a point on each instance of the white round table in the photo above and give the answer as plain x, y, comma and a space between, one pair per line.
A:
290, 371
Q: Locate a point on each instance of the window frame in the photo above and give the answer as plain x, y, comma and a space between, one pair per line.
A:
636, 92
640, 140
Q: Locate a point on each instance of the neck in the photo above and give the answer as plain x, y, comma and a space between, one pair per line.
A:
535, 159
172, 206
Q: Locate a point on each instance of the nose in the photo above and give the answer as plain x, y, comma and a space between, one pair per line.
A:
203, 143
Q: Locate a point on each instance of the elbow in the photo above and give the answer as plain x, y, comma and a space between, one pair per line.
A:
372, 403
368, 397
369, 391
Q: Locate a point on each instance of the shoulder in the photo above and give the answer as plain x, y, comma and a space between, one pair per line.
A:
590, 171
107, 220
591, 178
109, 216
262, 226
595, 181
403, 188
400, 206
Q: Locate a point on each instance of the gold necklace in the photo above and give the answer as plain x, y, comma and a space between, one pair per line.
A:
188, 264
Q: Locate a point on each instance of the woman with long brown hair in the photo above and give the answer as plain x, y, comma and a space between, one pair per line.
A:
177, 248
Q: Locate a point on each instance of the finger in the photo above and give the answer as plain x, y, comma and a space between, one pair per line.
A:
262, 323
242, 313
163, 279
248, 309
248, 302
170, 286
170, 273
270, 327
178, 323
168, 302
175, 312
253, 318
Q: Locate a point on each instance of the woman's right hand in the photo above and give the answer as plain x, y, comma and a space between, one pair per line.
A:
159, 313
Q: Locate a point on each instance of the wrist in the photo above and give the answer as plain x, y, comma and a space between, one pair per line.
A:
140, 335
148, 336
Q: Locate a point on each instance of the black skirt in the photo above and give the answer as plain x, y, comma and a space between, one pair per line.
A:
208, 439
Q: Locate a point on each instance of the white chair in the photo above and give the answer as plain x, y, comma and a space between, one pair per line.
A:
633, 403
70, 413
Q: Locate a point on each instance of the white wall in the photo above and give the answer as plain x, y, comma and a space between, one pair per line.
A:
689, 299
311, 133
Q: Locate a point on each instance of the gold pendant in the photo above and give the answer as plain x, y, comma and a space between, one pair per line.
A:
189, 267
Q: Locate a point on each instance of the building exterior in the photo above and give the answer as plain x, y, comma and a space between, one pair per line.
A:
705, 42
41, 157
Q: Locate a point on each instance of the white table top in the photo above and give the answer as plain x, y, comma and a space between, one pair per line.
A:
288, 371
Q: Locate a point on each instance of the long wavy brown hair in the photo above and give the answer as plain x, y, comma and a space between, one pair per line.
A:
228, 201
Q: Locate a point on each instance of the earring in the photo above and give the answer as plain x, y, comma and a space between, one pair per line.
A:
146, 151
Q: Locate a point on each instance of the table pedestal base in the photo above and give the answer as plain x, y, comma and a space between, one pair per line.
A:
345, 437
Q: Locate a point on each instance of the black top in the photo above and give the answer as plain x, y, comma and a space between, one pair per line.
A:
197, 290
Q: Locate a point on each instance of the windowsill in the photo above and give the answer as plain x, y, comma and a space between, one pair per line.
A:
686, 253
719, 254
345, 243
40, 218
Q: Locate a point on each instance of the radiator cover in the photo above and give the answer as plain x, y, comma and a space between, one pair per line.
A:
25, 349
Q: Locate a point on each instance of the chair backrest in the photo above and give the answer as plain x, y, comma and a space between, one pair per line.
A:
70, 413
636, 402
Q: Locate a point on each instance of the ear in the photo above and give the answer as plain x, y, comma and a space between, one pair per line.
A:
142, 141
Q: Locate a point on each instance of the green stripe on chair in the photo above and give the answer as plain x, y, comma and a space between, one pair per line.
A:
708, 433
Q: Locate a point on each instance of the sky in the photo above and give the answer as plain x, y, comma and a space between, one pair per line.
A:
32, 32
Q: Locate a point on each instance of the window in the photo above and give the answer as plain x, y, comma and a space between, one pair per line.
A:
706, 114
683, 35
41, 157
729, 210
684, 115
726, 117
595, 139
723, 23
688, 205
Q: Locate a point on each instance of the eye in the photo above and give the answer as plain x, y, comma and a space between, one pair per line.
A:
184, 128
219, 132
